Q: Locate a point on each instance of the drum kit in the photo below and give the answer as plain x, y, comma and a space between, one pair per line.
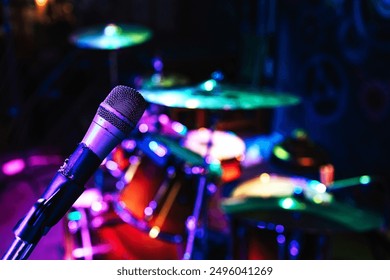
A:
158, 193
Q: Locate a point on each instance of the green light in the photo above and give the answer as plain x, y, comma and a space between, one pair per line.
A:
317, 199
289, 203
215, 168
281, 153
74, 216
365, 179
112, 30
209, 85
286, 203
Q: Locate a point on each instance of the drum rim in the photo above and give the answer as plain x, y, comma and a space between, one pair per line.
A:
129, 218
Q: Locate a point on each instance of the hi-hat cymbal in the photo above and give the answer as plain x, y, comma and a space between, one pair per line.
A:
215, 96
111, 36
161, 81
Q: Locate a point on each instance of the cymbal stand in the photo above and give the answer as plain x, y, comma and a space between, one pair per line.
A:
113, 64
193, 220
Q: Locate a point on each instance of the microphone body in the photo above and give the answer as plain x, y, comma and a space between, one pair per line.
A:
116, 116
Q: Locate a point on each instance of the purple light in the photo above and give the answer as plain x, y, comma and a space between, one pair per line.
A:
40, 160
116, 173
97, 206
163, 119
148, 211
196, 170
73, 226
120, 185
153, 204
143, 128
157, 64
281, 239
111, 165
179, 128
97, 222
128, 144
212, 188
294, 248
13, 167
190, 223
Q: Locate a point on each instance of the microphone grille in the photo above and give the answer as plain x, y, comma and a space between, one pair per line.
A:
126, 101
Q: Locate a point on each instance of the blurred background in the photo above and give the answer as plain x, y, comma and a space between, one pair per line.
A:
332, 56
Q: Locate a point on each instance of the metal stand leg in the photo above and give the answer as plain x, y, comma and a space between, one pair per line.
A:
192, 221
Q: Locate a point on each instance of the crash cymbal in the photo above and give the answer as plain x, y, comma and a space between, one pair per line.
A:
215, 96
298, 203
110, 36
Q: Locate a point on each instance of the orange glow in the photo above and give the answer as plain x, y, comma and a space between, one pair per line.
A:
306, 161
41, 3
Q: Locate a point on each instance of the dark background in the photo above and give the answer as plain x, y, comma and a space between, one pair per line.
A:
332, 54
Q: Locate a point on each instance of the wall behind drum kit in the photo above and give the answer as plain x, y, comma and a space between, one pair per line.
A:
335, 55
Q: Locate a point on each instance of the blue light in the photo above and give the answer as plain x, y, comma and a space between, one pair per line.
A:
279, 228
298, 190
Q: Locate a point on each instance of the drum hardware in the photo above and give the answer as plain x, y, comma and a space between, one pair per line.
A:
94, 233
200, 202
88, 250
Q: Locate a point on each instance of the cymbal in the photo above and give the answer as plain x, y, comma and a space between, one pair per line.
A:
110, 36
215, 96
274, 198
161, 81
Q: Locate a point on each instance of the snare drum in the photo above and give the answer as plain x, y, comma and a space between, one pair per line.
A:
226, 147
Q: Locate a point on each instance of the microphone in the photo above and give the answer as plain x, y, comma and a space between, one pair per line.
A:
115, 118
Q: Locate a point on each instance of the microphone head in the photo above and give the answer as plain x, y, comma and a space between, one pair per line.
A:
123, 108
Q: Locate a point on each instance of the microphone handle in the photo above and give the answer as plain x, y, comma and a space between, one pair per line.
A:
65, 188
